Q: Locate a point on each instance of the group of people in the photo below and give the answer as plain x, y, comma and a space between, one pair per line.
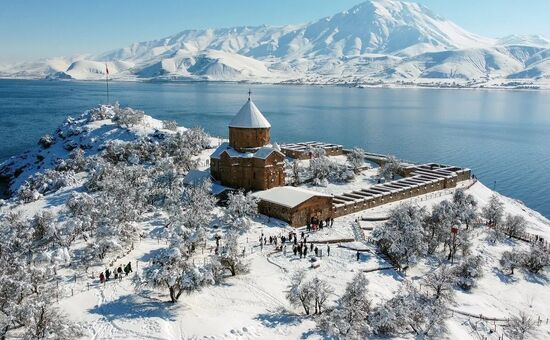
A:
314, 224
117, 273
302, 249
299, 247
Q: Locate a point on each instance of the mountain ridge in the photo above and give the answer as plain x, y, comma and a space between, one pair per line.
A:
376, 41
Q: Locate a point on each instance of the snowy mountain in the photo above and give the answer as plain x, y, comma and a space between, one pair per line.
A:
376, 41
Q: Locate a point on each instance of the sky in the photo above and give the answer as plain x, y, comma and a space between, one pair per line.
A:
32, 29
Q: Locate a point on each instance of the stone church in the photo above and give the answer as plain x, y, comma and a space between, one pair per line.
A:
248, 161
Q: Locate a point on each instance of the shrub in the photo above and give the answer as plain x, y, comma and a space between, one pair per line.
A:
46, 141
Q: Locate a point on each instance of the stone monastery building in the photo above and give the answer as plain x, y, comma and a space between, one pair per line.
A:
248, 161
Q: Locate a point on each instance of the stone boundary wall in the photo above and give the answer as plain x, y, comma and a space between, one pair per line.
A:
301, 150
419, 180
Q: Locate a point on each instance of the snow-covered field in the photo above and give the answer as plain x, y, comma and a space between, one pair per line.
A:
253, 305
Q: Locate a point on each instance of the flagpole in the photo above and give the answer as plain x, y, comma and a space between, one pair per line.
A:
107, 81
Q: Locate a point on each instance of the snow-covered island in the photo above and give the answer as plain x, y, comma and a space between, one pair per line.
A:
376, 43
111, 232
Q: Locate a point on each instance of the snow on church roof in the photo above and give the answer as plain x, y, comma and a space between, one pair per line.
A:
261, 153
249, 117
289, 197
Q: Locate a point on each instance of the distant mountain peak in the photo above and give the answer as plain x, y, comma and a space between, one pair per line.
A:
376, 40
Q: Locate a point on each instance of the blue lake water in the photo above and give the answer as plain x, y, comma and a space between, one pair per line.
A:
504, 136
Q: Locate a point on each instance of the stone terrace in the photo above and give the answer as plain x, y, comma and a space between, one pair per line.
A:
417, 180
302, 150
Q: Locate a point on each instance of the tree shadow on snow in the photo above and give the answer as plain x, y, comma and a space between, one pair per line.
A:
135, 307
312, 333
504, 278
540, 279
151, 255
278, 318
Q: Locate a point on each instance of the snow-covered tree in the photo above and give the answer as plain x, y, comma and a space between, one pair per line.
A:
27, 279
171, 125
300, 292
44, 183
438, 225
321, 293
520, 326
465, 207
493, 211
190, 216
510, 260
535, 259
410, 311
356, 158
441, 282
295, 171
390, 168
127, 117
231, 257
241, 208
349, 317
46, 321
467, 272
166, 185
322, 169
197, 140
173, 270
514, 225
401, 237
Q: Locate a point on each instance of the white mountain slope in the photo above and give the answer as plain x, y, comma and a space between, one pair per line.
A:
376, 41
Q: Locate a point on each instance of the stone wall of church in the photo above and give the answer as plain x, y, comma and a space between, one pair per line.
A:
249, 173
319, 206
240, 138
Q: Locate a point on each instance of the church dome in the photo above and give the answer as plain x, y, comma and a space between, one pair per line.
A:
249, 117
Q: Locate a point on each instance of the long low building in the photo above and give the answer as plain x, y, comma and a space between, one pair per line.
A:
294, 205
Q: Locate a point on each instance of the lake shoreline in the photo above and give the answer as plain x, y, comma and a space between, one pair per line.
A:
388, 85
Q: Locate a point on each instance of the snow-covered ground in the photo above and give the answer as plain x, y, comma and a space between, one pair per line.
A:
253, 305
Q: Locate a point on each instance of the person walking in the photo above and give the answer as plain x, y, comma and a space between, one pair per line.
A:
358, 255
126, 270
130, 266
107, 274
101, 277
295, 250
119, 272
316, 251
311, 246
328, 250
305, 251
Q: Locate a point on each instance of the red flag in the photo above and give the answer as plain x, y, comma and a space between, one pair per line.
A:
106, 69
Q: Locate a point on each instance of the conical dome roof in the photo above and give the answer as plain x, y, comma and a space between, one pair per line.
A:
249, 117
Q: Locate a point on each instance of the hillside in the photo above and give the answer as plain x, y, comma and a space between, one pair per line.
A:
108, 188
378, 41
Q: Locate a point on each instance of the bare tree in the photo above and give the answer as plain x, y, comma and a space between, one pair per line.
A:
441, 281
520, 326
510, 260
300, 292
